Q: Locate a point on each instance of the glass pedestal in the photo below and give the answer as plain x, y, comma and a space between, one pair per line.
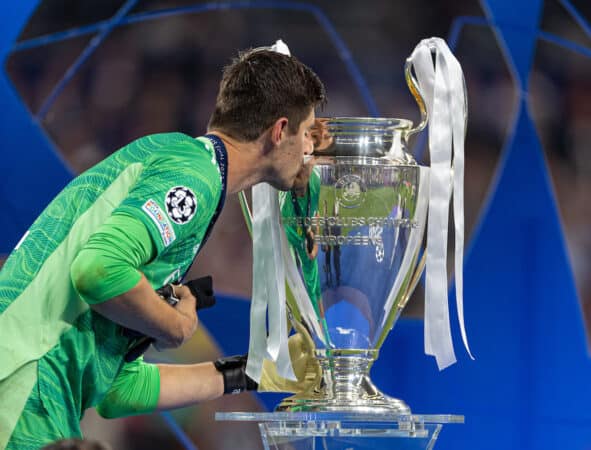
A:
344, 431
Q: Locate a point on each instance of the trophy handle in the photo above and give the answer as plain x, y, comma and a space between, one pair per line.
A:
413, 85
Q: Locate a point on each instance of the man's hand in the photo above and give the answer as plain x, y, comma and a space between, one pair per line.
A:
320, 135
202, 291
305, 367
142, 310
187, 307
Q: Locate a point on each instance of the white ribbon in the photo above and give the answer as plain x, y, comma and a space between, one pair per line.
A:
414, 242
268, 291
441, 83
281, 47
268, 286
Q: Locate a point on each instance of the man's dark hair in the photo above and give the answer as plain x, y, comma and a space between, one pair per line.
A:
259, 87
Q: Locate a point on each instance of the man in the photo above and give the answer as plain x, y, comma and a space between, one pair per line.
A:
89, 266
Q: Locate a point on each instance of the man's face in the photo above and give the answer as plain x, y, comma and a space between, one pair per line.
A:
290, 154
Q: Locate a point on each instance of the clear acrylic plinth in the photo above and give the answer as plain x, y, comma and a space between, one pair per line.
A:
344, 431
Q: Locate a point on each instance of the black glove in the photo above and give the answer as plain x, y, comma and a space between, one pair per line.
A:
233, 369
202, 290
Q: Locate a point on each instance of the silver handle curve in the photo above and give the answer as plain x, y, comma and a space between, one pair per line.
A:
413, 86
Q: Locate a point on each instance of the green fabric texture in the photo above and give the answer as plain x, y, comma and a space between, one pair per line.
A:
135, 391
35, 427
14, 391
105, 267
43, 320
32, 323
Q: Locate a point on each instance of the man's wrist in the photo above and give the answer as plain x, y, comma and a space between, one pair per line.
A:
233, 370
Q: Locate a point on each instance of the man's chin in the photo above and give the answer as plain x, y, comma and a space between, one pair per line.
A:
282, 185
287, 183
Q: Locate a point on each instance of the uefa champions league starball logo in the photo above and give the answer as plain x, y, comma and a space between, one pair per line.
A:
181, 204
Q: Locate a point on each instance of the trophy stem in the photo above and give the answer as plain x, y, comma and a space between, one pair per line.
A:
344, 373
345, 387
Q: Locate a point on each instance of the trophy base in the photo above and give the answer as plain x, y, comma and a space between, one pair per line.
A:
369, 401
345, 430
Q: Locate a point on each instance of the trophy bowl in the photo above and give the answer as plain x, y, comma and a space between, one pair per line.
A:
355, 233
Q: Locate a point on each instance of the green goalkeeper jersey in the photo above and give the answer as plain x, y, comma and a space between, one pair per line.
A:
49, 337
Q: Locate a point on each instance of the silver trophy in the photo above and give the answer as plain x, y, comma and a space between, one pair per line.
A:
355, 234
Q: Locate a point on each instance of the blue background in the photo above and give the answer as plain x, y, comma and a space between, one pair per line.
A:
528, 387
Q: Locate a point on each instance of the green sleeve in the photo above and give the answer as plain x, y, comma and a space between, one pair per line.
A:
135, 391
107, 264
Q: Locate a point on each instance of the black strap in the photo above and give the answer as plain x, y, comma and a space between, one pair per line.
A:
233, 369
221, 156
296, 205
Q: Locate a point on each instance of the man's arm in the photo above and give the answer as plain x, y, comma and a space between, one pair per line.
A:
142, 388
183, 385
141, 309
105, 274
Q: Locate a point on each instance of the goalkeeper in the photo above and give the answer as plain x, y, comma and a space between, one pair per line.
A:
88, 267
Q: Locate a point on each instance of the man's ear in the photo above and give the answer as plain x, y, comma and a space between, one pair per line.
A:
279, 130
